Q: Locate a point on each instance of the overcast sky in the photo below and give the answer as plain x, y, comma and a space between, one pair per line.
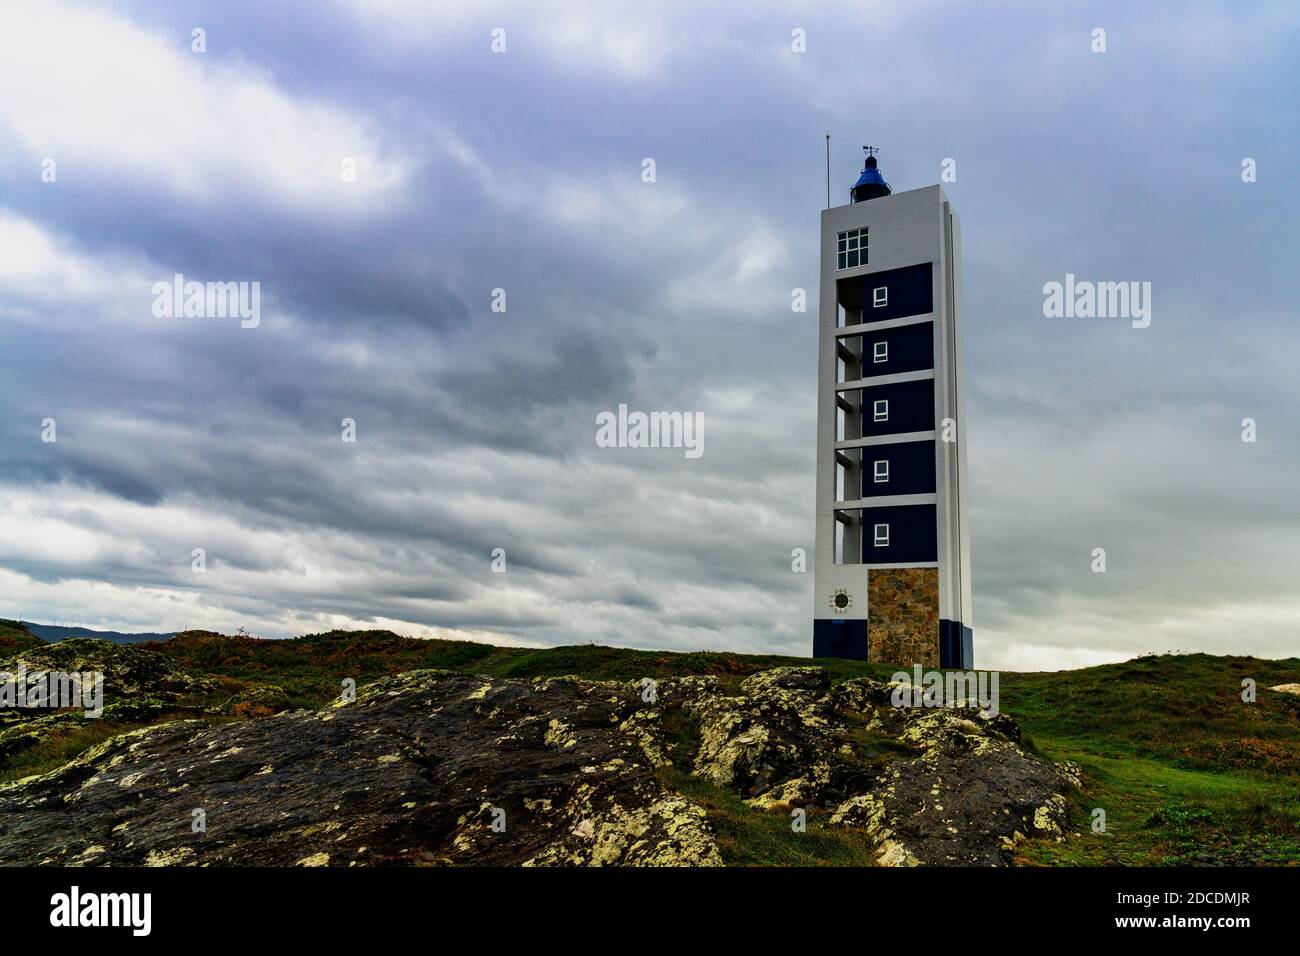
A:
522, 170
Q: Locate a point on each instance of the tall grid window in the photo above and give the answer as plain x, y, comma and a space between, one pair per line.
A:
881, 535
880, 410
880, 352
853, 248
882, 470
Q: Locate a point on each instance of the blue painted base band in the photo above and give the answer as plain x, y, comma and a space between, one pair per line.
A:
845, 639
837, 637
956, 645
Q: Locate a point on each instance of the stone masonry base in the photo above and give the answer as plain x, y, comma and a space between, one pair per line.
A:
903, 616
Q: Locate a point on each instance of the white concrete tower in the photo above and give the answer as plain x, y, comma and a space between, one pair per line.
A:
892, 566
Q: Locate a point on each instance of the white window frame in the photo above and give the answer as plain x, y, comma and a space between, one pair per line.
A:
880, 475
880, 540
880, 410
879, 352
878, 300
851, 249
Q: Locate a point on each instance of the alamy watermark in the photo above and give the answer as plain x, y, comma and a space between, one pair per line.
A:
950, 689
75, 908
1085, 299
53, 689
626, 429
208, 300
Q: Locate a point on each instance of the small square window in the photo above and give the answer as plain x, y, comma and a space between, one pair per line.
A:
880, 296
882, 535
880, 352
851, 249
881, 469
880, 410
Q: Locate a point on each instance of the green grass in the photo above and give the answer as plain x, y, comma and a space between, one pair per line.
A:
1186, 710
1185, 770
1162, 815
310, 668
60, 747
750, 837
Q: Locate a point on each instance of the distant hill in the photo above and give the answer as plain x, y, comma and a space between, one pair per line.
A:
15, 637
53, 633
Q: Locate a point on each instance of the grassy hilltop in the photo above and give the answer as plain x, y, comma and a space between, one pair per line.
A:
1186, 772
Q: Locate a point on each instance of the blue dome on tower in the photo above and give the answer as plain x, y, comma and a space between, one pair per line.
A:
870, 185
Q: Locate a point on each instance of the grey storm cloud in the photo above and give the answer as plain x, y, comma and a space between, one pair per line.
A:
522, 172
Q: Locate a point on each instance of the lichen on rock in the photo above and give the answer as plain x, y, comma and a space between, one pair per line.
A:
967, 799
421, 769
433, 767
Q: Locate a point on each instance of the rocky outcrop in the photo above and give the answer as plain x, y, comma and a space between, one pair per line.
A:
259, 701
435, 767
130, 672
777, 742
138, 685
428, 767
969, 796
964, 793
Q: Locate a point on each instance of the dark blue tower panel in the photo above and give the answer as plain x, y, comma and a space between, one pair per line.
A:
837, 637
910, 408
911, 469
956, 645
913, 535
908, 348
907, 291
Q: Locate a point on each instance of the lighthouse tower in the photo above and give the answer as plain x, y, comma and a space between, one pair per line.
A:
892, 563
